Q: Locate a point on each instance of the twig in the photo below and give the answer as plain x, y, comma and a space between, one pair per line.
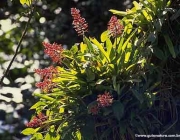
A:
18, 47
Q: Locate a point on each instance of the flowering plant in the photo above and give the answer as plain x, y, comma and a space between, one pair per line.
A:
85, 93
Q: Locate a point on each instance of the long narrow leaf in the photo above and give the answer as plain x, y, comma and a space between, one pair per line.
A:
170, 45
100, 47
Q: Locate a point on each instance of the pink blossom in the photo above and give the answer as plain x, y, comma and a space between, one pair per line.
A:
114, 27
37, 121
54, 51
105, 100
46, 74
79, 23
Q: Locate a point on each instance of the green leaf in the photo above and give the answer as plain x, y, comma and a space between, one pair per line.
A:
78, 135
61, 110
99, 81
27, 2
43, 96
130, 66
116, 12
170, 45
100, 47
110, 49
118, 109
147, 15
138, 95
127, 55
89, 44
137, 5
175, 15
28, 131
151, 37
106, 111
48, 137
90, 75
127, 41
74, 49
36, 105
158, 24
37, 136
106, 133
104, 36
134, 80
158, 53
88, 129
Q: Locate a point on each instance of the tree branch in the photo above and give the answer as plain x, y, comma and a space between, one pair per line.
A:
18, 47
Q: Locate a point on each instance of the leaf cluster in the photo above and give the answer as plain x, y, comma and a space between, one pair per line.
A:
123, 67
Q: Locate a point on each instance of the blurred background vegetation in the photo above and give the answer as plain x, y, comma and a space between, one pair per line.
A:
51, 22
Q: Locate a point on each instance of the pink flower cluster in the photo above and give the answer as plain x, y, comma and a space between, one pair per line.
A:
46, 74
114, 27
79, 23
103, 100
37, 121
54, 51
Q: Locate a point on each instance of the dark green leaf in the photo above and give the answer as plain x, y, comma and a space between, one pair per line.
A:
170, 45
158, 53
88, 130
90, 75
138, 95
152, 37
118, 109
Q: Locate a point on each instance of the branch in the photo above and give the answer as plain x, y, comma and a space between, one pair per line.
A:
18, 47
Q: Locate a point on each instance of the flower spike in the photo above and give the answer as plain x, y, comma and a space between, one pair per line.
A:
47, 75
79, 23
54, 51
114, 27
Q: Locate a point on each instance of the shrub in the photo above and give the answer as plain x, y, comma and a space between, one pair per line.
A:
103, 89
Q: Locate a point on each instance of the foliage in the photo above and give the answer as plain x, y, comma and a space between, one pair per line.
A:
113, 88
51, 21
106, 89
151, 18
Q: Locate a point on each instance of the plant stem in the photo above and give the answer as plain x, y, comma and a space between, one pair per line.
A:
18, 47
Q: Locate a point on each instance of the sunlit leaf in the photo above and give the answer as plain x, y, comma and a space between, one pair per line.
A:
74, 49
61, 110
120, 13
37, 136
137, 5
78, 135
110, 49
127, 41
27, 2
43, 96
100, 47
28, 131
36, 105
104, 36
